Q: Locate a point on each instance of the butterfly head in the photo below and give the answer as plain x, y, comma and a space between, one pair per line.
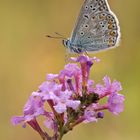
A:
66, 43
73, 49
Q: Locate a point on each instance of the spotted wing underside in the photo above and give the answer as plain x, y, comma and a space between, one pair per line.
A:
96, 28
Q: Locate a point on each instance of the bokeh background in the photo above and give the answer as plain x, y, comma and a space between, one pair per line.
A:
26, 55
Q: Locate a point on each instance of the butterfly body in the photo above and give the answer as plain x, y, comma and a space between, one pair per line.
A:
96, 28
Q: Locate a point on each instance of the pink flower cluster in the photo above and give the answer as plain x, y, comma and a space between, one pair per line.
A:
73, 99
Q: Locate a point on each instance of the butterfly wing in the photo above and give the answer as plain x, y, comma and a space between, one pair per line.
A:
96, 28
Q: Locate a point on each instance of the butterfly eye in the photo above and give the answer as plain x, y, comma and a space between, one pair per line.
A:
65, 42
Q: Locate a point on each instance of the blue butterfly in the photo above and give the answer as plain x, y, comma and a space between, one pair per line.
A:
96, 29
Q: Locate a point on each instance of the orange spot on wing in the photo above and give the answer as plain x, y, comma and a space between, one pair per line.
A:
112, 33
110, 22
110, 26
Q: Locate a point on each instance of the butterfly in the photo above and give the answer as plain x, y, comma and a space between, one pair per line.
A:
96, 29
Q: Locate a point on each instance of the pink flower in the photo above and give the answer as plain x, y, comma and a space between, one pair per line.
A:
73, 98
84, 58
60, 99
49, 122
90, 115
113, 87
32, 109
51, 76
86, 64
108, 87
116, 103
64, 101
71, 70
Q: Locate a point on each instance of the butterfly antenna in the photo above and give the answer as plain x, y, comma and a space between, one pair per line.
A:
55, 37
58, 34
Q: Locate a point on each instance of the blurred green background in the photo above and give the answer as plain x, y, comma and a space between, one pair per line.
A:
26, 55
